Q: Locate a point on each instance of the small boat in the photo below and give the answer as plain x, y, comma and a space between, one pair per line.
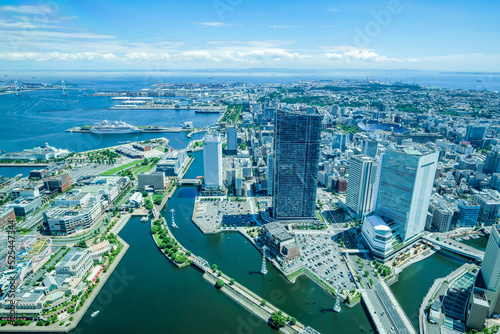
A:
94, 314
227, 238
144, 219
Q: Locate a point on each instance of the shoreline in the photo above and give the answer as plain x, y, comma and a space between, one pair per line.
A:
77, 316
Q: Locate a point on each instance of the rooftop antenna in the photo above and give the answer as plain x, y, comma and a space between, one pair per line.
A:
63, 85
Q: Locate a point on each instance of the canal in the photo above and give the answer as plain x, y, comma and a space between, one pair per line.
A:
147, 293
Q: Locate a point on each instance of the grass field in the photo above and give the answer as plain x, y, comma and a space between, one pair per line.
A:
120, 168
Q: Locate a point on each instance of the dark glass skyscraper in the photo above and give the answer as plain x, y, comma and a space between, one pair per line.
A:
296, 146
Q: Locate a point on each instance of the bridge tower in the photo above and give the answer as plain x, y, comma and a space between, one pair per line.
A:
16, 87
63, 85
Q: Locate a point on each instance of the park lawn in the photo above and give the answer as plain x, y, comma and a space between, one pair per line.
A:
120, 168
144, 169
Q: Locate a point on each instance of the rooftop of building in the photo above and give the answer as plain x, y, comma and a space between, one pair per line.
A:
378, 223
278, 231
71, 258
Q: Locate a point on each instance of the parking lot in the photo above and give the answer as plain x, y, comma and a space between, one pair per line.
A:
213, 214
320, 254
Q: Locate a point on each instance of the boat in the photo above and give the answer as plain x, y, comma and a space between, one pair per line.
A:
144, 219
117, 127
94, 314
466, 238
187, 125
475, 236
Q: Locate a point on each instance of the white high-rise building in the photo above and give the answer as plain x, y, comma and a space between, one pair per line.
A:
401, 200
404, 190
212, 160
362, 173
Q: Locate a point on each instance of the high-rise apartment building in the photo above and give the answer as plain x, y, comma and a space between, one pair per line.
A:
296, 147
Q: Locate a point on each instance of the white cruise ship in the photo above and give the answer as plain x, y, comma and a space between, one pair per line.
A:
114, 127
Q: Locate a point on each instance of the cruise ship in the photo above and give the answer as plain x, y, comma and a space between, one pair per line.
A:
114, 127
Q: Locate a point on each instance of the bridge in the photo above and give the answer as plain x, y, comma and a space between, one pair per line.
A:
456, 247
201, 263
380, 300
192, 182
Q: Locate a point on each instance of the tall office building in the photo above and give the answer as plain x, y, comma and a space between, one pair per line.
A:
402, 194
339, 141
362, 173
485, 295
296, 147
404, 189
232, 139
369, 148
212, 160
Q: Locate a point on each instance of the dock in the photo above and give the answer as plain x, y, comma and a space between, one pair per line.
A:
144, 129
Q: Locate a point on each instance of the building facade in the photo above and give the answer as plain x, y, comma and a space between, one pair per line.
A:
362, 173
404, 190
212, 161
296, 147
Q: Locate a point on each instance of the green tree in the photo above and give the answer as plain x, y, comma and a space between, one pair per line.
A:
214, 267
219, 284
277, 320
232, 281
293, 321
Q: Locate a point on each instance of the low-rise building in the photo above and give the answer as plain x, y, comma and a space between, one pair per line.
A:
281, 243
154, 181
25, 206
65, 220
172, 162
6, 214
75, 263
59, 183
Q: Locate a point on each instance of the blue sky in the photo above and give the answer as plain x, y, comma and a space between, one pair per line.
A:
239, 34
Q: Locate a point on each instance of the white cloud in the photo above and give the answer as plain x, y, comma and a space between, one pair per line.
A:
43, 9
352, 54
215, 24
277, 26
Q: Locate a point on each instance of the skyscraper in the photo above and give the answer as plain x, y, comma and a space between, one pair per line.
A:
212, 160
339, 141
402, 193
404, 190
296, 147
362, 173
370, 148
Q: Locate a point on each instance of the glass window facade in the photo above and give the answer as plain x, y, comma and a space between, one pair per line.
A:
297, 140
